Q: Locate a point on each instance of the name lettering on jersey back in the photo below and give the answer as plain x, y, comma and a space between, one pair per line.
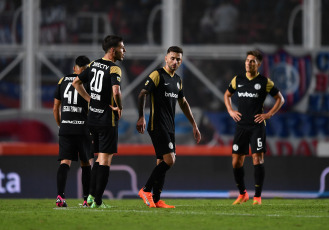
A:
72, 109
69, 78
100, 65
96, 110
171, 95
95, 96
74, 122
246, 94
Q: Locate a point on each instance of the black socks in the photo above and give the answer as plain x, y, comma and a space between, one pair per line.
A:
102, 178
259, 174
62, 172
92, 187
239, 179
85, 178
156, 180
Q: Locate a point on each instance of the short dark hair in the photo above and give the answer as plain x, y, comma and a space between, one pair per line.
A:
82, 61
175, 49
257, 54
111, 41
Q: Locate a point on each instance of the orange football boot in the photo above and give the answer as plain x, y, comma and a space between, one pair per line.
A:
162, 204
241, 199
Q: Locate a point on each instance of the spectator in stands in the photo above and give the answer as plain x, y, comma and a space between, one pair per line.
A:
225, 21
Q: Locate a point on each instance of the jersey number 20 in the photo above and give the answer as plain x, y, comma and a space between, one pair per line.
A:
96, 83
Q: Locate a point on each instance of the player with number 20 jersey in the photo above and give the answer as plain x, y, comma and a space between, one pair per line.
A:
104, 74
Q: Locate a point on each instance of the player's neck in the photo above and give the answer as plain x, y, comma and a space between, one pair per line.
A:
109, 57
169, 71
251, 74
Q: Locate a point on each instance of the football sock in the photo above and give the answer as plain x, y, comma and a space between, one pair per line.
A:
158, 186
102, 178
85, 178
259, 174
239, 179
62, 172
92, 187
157, 172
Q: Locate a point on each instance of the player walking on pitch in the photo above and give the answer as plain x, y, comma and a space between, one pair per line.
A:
164, 87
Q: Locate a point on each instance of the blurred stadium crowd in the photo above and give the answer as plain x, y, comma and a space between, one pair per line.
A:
208, 22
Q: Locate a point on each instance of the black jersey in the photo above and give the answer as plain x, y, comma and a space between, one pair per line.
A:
251, 95
164, 91
74, 108
102, 74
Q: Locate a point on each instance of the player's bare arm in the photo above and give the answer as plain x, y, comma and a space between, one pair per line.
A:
56, 111
117, 98
279, 101
185, 107
78, 85
228, 103
141, 123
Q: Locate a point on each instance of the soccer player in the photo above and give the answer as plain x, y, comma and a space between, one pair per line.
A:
252, 89
105, 109
70, 112
164, 87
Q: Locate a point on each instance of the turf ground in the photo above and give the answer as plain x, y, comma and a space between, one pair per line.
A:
189, 214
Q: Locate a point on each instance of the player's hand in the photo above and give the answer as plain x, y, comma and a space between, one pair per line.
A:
141, 124
259, 118
235, 115
118, 110
197, 134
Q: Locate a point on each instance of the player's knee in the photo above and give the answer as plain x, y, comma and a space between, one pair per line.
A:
257, 160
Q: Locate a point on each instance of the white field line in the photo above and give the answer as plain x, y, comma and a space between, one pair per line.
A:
173, 211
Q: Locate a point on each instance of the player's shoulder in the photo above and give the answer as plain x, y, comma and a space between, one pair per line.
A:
177, 76
101, 63
263, 78
68, 77
239, 76
106, 62
155, 73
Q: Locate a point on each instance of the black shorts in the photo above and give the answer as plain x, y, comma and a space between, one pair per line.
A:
255, 136
105, 139
163, 142
74, 147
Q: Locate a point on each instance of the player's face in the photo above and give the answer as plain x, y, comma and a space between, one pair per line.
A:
119, 52
173, 60
252, 64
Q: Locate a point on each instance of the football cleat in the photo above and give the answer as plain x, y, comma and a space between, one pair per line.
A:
60, 202
90, 200
103, 205
162, 204
257, 201
85, 204
147, 198
241, 198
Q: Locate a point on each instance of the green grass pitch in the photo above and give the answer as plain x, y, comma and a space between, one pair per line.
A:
129, 214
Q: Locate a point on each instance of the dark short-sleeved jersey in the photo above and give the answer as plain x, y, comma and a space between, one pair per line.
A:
74, 108
251, 95
164, 91
101, 75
